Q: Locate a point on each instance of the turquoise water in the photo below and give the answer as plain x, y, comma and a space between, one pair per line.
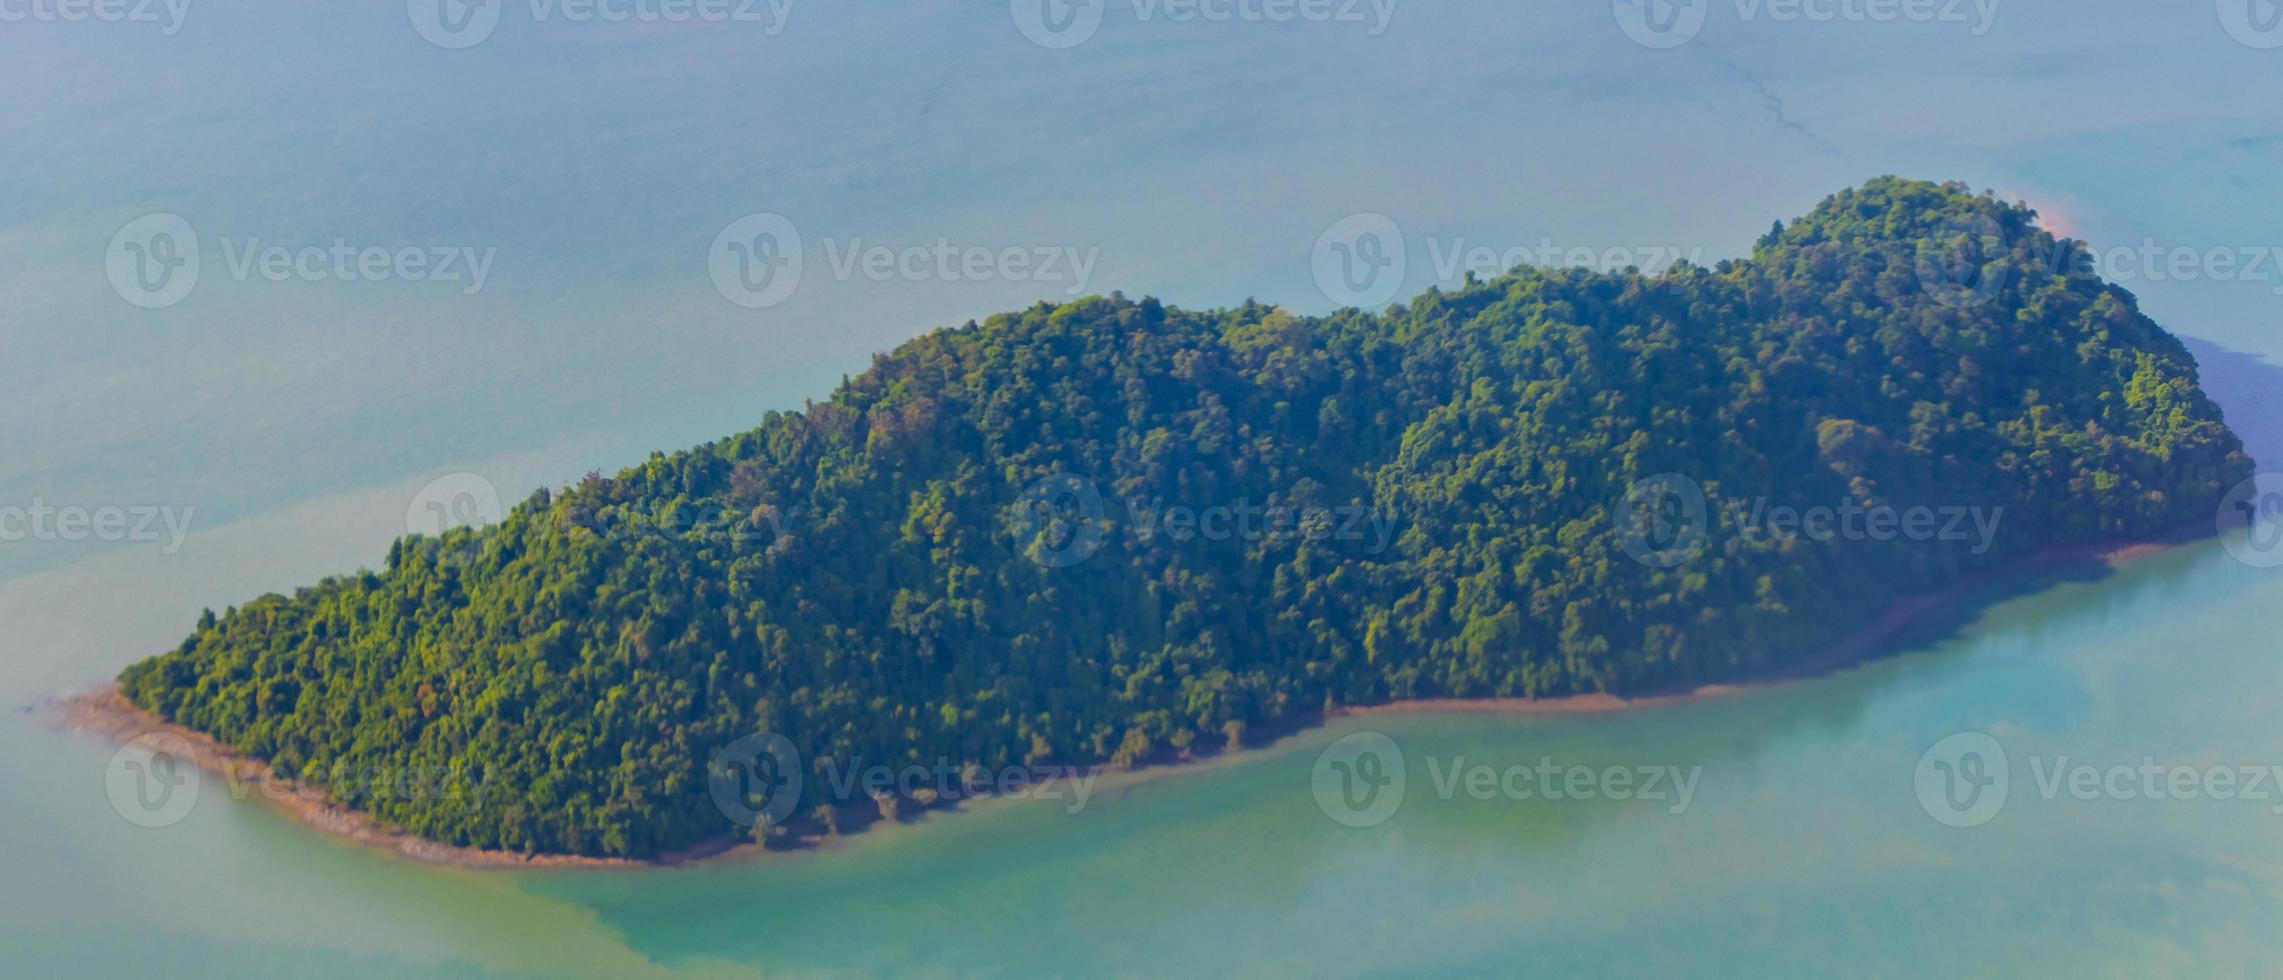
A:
1804, 853
301, 421
1804, 850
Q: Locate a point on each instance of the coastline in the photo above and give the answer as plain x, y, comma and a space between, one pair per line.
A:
1866, 644
1856, 648
103, 711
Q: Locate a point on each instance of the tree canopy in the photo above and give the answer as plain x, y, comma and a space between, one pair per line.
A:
877, 577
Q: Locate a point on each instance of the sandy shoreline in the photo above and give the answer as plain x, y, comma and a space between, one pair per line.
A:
105, 712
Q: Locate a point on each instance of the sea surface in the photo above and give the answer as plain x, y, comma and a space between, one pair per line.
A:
294, 427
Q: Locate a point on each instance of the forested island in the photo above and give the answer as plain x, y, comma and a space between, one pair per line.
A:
998, 545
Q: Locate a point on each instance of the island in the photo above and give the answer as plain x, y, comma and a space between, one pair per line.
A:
1112, 533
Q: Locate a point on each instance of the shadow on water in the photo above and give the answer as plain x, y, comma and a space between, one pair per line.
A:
2249, 391
1951, 619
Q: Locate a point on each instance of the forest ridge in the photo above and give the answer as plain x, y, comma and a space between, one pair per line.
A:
988, 548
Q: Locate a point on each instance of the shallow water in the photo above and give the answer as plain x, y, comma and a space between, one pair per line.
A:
303, 420
1803, 849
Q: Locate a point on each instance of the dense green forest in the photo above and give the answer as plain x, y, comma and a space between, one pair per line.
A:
954, 556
